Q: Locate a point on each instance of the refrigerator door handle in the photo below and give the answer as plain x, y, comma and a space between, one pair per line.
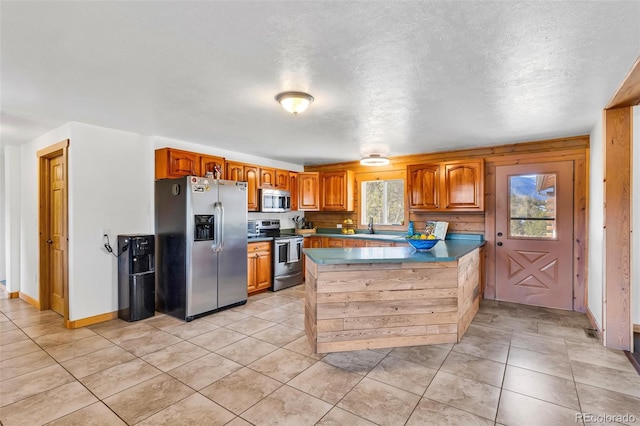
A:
218, 213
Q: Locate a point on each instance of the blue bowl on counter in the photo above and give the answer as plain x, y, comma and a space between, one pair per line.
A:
421, 245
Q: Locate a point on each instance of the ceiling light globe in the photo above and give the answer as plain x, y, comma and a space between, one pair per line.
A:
294, 102
374, 160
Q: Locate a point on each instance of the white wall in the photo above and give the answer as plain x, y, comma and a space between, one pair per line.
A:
596, 221
110, 188
12, 217
111, 174
635, 206
3, 268
28, 212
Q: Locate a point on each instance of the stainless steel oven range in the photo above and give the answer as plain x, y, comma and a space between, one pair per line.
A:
286, 253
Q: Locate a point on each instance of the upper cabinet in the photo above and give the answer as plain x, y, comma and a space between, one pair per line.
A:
274, 178
253, 196
174, 163
308, 191
282, 179
267, 178
446, 186
211, 164
246, 173
337, 190
235, 171
293, 188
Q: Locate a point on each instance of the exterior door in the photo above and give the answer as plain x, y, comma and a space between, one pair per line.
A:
534, 234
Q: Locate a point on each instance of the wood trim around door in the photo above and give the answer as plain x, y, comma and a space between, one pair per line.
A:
617, 228
580, 231
44, 155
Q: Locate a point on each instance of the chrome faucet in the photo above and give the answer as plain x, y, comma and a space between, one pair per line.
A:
370, 225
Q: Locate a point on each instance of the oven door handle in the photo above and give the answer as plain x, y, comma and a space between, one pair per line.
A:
288, 275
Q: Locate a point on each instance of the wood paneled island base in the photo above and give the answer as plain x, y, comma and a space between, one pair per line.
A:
353, 306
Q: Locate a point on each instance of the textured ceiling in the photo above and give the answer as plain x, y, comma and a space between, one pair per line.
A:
407, 77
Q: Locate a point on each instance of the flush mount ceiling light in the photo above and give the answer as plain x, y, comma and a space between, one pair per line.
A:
374, 160
294, 102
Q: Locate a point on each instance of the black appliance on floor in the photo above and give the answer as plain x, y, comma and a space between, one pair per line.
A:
136, 277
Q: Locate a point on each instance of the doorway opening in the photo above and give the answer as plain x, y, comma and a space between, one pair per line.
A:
53, 229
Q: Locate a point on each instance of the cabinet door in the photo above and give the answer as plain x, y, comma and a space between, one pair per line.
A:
313, 242
252, 267
334, 242
309, 191
282, 179
378, 243
251, 176
293, 188
263, 270
174, 163
423, 189
464, 186
235, 171
354, 242
267, 178
336, 191
210, 163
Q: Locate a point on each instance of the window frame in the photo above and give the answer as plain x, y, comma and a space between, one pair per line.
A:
381, 175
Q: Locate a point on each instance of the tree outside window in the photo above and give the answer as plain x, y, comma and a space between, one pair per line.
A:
382, 200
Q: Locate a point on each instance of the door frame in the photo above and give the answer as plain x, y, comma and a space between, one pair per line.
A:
580, 158
44, 204
564, 178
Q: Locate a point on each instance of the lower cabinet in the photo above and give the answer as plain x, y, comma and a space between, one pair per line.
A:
258, 266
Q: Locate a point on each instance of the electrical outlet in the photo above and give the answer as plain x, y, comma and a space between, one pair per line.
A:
339, 225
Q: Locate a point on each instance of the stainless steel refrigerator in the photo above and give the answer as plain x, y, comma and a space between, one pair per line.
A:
201, 245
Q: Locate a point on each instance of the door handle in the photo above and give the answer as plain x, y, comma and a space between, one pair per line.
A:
49, 242
499, 243
499, 234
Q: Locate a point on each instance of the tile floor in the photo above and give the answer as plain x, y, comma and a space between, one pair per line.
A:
516, 365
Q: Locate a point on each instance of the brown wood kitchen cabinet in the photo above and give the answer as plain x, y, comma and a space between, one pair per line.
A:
446, 186
274, 178
174, 163
337, 191
267, 177
209, 163
308, 191
282, 179
258, 266
246, 173
293, 189
235, 171
313, 242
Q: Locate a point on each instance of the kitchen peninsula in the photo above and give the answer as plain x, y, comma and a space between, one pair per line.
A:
381, 297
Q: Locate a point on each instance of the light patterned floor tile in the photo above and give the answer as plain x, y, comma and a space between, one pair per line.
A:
287, 406
379, 402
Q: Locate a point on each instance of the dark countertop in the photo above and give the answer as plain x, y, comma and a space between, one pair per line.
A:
258, 239
449, 250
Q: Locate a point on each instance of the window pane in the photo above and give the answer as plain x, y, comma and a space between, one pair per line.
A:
532, 206
384, 201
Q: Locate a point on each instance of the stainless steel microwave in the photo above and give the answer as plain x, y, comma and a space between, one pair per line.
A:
275, 200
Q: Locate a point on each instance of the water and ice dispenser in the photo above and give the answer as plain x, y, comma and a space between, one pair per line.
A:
136, 277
